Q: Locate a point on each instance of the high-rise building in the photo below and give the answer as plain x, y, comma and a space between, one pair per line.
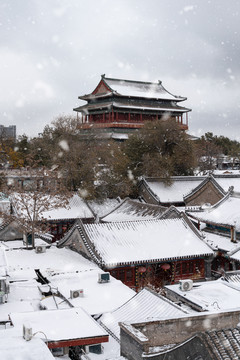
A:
8, 132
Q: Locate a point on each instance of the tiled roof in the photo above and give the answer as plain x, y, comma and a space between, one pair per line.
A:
220, 241
133, 88
141, 89
100, 209
233, 278
225, 344
214, 345
171, 107
130, 210
175, 191
76, 208
182, 187
145, 241
144, 306
224, 213
226, 181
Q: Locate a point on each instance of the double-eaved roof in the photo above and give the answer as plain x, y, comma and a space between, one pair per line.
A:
133, 95
136, 242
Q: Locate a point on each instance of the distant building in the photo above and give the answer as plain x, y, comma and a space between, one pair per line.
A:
117, 107
8, 132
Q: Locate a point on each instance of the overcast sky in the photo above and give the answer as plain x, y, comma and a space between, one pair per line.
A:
53, 51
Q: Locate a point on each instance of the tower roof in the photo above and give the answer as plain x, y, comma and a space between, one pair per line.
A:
131, 88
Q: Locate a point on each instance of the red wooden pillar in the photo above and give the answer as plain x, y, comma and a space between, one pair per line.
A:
103, 119
129, 117
117, 116
112, 115
141, 118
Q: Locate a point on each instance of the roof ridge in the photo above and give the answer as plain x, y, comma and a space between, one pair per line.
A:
133, 81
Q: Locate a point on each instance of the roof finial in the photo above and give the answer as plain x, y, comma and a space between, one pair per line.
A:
103, 75
160, 82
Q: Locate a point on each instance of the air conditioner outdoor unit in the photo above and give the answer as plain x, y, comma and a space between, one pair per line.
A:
27, 332
186, 285
103, 277
40, 249
76, 293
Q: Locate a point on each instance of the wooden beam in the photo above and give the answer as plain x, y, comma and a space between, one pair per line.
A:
75, 342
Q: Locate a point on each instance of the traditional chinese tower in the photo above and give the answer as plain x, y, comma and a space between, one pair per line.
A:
118, 107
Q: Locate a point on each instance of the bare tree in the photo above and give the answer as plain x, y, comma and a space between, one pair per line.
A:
33, 192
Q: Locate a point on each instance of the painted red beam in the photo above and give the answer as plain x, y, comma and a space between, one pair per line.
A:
75, 342
110, 125
120, 125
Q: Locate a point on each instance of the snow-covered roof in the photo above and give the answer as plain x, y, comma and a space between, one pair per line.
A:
210, 295
226, 181
235, 254
65, 270
103, 207
97, 298
14, 346
59, 325
20, 244
131, 210
173, 192
23, 297
183, 186
144, 306
22, 262
135, 89
76, 208
171, 108
140, 89
45, 206
163, 107
220, 241
24, 292
145, 241
224, 213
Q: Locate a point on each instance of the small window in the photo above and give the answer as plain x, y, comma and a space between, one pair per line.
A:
58, 351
